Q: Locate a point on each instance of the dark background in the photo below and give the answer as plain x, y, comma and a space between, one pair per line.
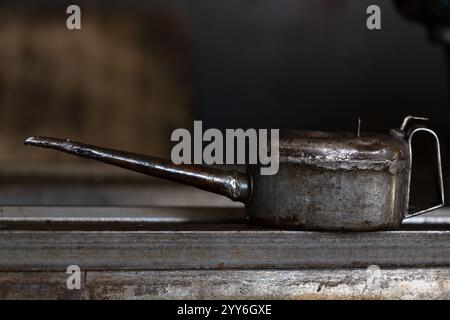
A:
302, 64
312, 64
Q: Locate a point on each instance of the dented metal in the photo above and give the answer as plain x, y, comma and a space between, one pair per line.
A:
326, 181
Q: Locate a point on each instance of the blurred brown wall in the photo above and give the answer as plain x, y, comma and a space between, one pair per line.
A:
121, 81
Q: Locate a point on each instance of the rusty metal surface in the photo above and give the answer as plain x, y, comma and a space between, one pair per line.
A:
36, 285
231, 183
219, 247
364, 189
334, 181
341, 150
257, 284
20, 215
326, 181
121, 259
318, 199
232, 284
159, 217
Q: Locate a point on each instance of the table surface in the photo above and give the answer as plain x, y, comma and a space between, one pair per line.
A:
121, 238
160, 242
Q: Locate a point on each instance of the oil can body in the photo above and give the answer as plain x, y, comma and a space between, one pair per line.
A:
334, 182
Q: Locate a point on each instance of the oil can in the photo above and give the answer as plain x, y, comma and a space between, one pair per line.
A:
326, 181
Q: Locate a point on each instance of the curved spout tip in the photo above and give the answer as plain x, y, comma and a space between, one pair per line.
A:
44, 142
36, 141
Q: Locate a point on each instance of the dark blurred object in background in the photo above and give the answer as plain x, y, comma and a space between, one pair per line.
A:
313, 65
434, 14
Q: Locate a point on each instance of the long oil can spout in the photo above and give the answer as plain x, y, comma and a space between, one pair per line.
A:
231, 184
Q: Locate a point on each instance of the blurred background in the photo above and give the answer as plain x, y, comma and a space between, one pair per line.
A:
139, 69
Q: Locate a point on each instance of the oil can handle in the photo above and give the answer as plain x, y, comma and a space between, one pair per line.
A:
410, 135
